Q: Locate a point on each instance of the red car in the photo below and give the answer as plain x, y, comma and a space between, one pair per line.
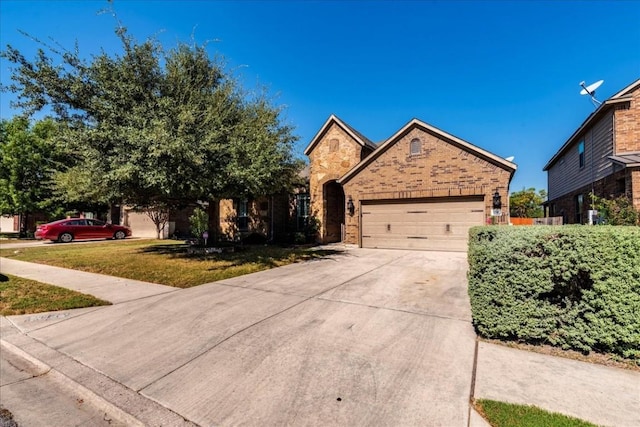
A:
66, 230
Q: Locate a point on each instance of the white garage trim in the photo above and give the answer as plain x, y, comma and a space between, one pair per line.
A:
427, 224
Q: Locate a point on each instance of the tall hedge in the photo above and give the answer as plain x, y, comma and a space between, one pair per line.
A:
576, 287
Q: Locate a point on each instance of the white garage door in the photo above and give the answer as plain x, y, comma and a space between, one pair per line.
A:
431, 225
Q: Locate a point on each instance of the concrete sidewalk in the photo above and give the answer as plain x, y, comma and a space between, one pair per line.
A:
600, 394
289, 342
113, 289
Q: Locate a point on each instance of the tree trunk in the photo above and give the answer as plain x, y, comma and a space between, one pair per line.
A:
23, 225
213, 210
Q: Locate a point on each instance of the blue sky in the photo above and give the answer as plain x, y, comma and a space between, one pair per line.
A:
502, 75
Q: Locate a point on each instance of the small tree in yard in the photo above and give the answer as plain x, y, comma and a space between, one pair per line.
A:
527, 203
159, 215
199, 222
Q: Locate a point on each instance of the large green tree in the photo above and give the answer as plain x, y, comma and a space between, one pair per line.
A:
527, 203
28, 161
155, 128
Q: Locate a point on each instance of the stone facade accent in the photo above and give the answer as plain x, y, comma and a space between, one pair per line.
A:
334, 154
440, 169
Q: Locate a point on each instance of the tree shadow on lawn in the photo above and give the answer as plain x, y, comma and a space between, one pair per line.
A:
269, 259
270, 256
173, 249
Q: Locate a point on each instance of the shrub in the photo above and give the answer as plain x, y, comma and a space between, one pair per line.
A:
616, 211
575, 287
199, 222
254, 239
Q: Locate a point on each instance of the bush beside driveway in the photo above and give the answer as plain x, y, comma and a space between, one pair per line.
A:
574, 287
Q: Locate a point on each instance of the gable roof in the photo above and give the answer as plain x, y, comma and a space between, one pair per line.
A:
623, 96
415, 123
357, 136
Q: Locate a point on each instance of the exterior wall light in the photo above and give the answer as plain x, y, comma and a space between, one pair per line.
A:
497, 200
350, 206
496, 206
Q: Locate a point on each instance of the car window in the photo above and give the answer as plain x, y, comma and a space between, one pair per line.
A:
95, 222
76, 222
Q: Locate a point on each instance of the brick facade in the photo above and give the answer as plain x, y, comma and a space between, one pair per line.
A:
268, 216
442, 166
440, 170
627, 125
635, 187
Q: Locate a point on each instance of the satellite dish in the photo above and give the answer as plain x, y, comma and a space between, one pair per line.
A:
591, 91
510, 158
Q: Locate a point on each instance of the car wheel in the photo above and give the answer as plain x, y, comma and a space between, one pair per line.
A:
119, 235
65, 238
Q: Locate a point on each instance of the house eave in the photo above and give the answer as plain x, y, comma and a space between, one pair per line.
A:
622, 96
627, 160
325, 127
490, 157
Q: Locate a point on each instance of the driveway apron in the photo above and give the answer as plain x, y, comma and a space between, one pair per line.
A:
359, 338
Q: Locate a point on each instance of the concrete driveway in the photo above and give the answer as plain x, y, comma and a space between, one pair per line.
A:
364, 337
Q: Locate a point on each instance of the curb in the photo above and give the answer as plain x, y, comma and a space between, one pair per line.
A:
75, 387
106, 394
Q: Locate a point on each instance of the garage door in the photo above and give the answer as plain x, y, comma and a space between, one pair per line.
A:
430, 225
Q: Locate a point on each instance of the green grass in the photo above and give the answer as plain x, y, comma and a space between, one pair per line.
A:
161, 261
23, 296
501, 414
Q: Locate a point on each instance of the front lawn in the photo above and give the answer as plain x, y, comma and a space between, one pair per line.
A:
500, 414
23, 296
161, 261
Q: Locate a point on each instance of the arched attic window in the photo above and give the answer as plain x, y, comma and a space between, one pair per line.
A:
415, 147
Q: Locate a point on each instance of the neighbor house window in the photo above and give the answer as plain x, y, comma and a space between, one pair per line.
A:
579, 204
302, 211
581, 153
415, 147
243, 215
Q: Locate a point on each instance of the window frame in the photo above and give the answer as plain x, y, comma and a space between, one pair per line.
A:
581, 155
579, 207
415, 142
303, 209
242, 214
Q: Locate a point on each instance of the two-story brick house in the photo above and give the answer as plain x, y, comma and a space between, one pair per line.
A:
420, 189
602, 157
